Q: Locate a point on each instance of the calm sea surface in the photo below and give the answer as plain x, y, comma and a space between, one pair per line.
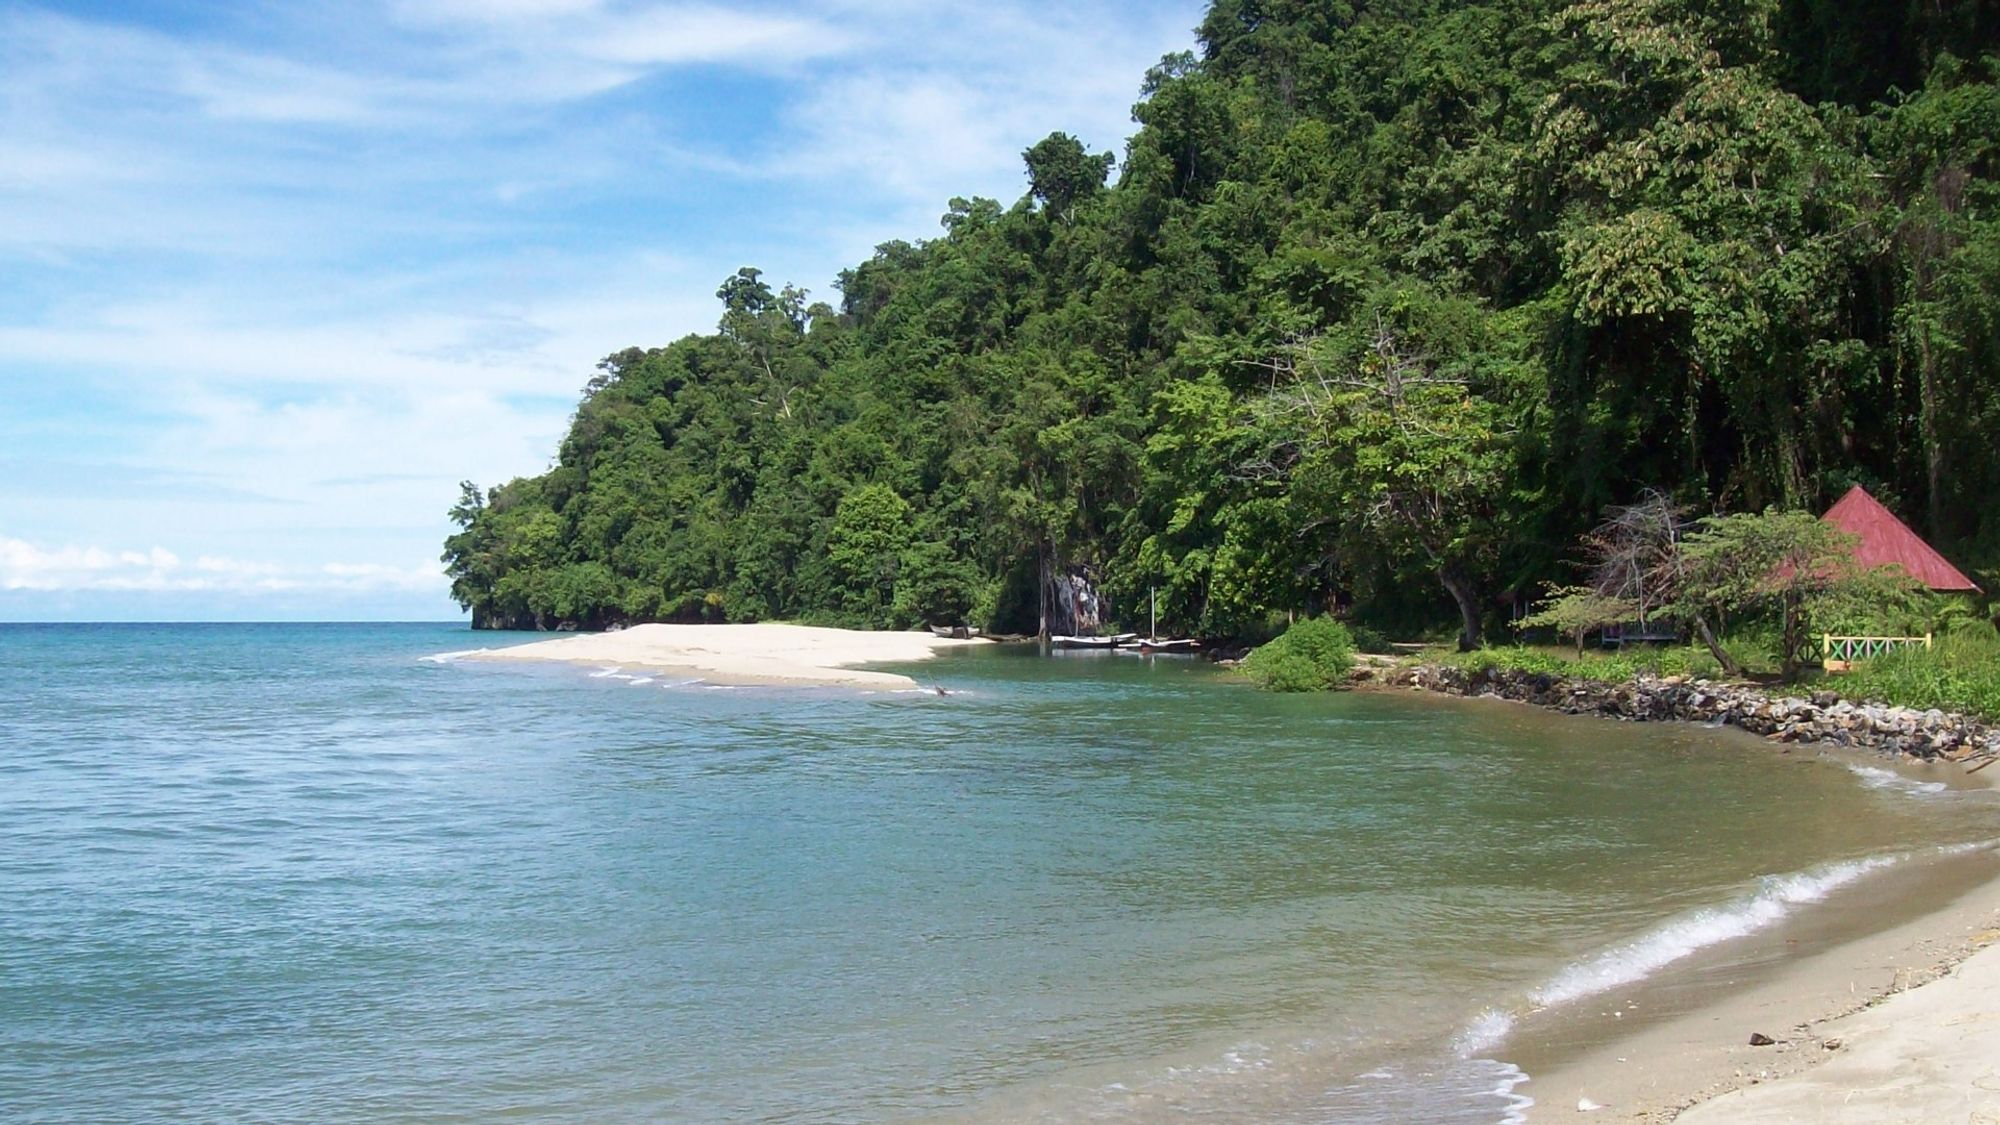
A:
300, 872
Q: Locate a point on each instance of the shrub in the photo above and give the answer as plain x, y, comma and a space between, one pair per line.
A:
1609, 667
1313, 655
1961, 673
1370, 640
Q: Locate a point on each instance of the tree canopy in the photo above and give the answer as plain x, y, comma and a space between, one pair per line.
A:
1384, 306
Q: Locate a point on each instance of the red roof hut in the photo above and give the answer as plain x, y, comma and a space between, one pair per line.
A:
1888, 541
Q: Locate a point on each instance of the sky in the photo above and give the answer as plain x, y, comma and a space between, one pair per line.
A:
275, 278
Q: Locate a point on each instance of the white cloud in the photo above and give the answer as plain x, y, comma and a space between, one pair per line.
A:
27, 566
709, 35
318, 270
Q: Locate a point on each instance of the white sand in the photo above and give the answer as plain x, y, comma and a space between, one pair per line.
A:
1931, 1054
1901, 1025
743, 654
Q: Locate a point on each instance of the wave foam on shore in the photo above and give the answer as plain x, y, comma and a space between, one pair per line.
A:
1775, 898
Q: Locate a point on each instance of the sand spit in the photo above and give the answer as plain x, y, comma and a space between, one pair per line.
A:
794, 655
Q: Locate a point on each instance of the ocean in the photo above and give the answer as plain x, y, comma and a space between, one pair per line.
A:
311, 872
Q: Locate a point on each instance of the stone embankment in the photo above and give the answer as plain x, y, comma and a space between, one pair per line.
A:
1823, 718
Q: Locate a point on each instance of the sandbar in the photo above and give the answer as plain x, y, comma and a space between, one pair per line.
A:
761, 654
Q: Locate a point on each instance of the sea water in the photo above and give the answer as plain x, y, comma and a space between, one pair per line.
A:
310, 872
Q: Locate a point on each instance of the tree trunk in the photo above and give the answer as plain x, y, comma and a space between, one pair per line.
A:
1042, 595
1927, 415
1729, 665
1462, 592
1792, 641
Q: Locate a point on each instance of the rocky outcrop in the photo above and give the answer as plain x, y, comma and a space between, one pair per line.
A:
1823, 718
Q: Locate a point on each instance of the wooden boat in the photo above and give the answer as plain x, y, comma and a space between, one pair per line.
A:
1093, 642
1169, 644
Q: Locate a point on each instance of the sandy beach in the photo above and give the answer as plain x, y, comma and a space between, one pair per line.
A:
790, 655
1899, 1025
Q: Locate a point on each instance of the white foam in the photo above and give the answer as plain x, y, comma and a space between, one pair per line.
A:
1518, 1104
635, 681
1776, 897
601, 673
1483, 1034
448, 657
1875, 777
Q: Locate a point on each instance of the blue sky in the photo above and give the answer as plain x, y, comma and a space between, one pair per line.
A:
274, 278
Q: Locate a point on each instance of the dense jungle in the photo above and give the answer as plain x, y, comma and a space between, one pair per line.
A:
1380, 309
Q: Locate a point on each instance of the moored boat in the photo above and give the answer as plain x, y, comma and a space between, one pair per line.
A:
1093, 642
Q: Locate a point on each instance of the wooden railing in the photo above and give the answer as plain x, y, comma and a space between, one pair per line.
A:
1842, 653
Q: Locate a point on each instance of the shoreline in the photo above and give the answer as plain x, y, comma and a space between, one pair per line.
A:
1838, 1020
1897, 1023
1829, 1007
760, 655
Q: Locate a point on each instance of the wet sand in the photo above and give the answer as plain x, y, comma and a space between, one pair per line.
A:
788, 655
1899, 1024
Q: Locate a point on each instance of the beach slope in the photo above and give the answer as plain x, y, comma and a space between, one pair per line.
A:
799, 655
1929, 1054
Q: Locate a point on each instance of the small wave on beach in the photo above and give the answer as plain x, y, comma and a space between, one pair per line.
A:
1468, 1090
1776, 897
1296, 1082
1875, 777
451, 657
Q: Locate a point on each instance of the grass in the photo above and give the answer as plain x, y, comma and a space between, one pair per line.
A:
1961, 673
1609, 667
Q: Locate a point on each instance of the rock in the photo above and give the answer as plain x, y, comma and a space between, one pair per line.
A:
1759, 1039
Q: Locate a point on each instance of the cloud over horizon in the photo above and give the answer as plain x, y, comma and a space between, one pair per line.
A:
278, 280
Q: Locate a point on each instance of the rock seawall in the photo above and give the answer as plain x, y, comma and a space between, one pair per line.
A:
1823, 718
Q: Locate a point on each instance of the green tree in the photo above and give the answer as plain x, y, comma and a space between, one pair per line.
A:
1776, 561
864, 549
1062, 173
1576, 612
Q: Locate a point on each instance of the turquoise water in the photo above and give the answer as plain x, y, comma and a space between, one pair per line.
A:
301, 872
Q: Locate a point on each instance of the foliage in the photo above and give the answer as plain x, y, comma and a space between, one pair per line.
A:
1960, 673
1577, 611
1315, 654
1883, 603
1369, 640
1783, 563
1608, 667
1383, 302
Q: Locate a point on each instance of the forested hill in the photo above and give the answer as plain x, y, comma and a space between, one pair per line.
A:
1386, 303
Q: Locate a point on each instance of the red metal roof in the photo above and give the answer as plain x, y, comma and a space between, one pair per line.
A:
1888, 541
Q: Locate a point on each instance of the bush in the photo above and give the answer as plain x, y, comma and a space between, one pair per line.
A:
1313, 655
1961, 673
1370, 640
1608, 667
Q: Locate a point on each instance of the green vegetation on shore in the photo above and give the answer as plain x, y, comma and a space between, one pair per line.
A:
1312, 655
1604, 667
1385, 306
1961, 673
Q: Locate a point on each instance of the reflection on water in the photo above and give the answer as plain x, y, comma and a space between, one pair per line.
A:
292, 871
